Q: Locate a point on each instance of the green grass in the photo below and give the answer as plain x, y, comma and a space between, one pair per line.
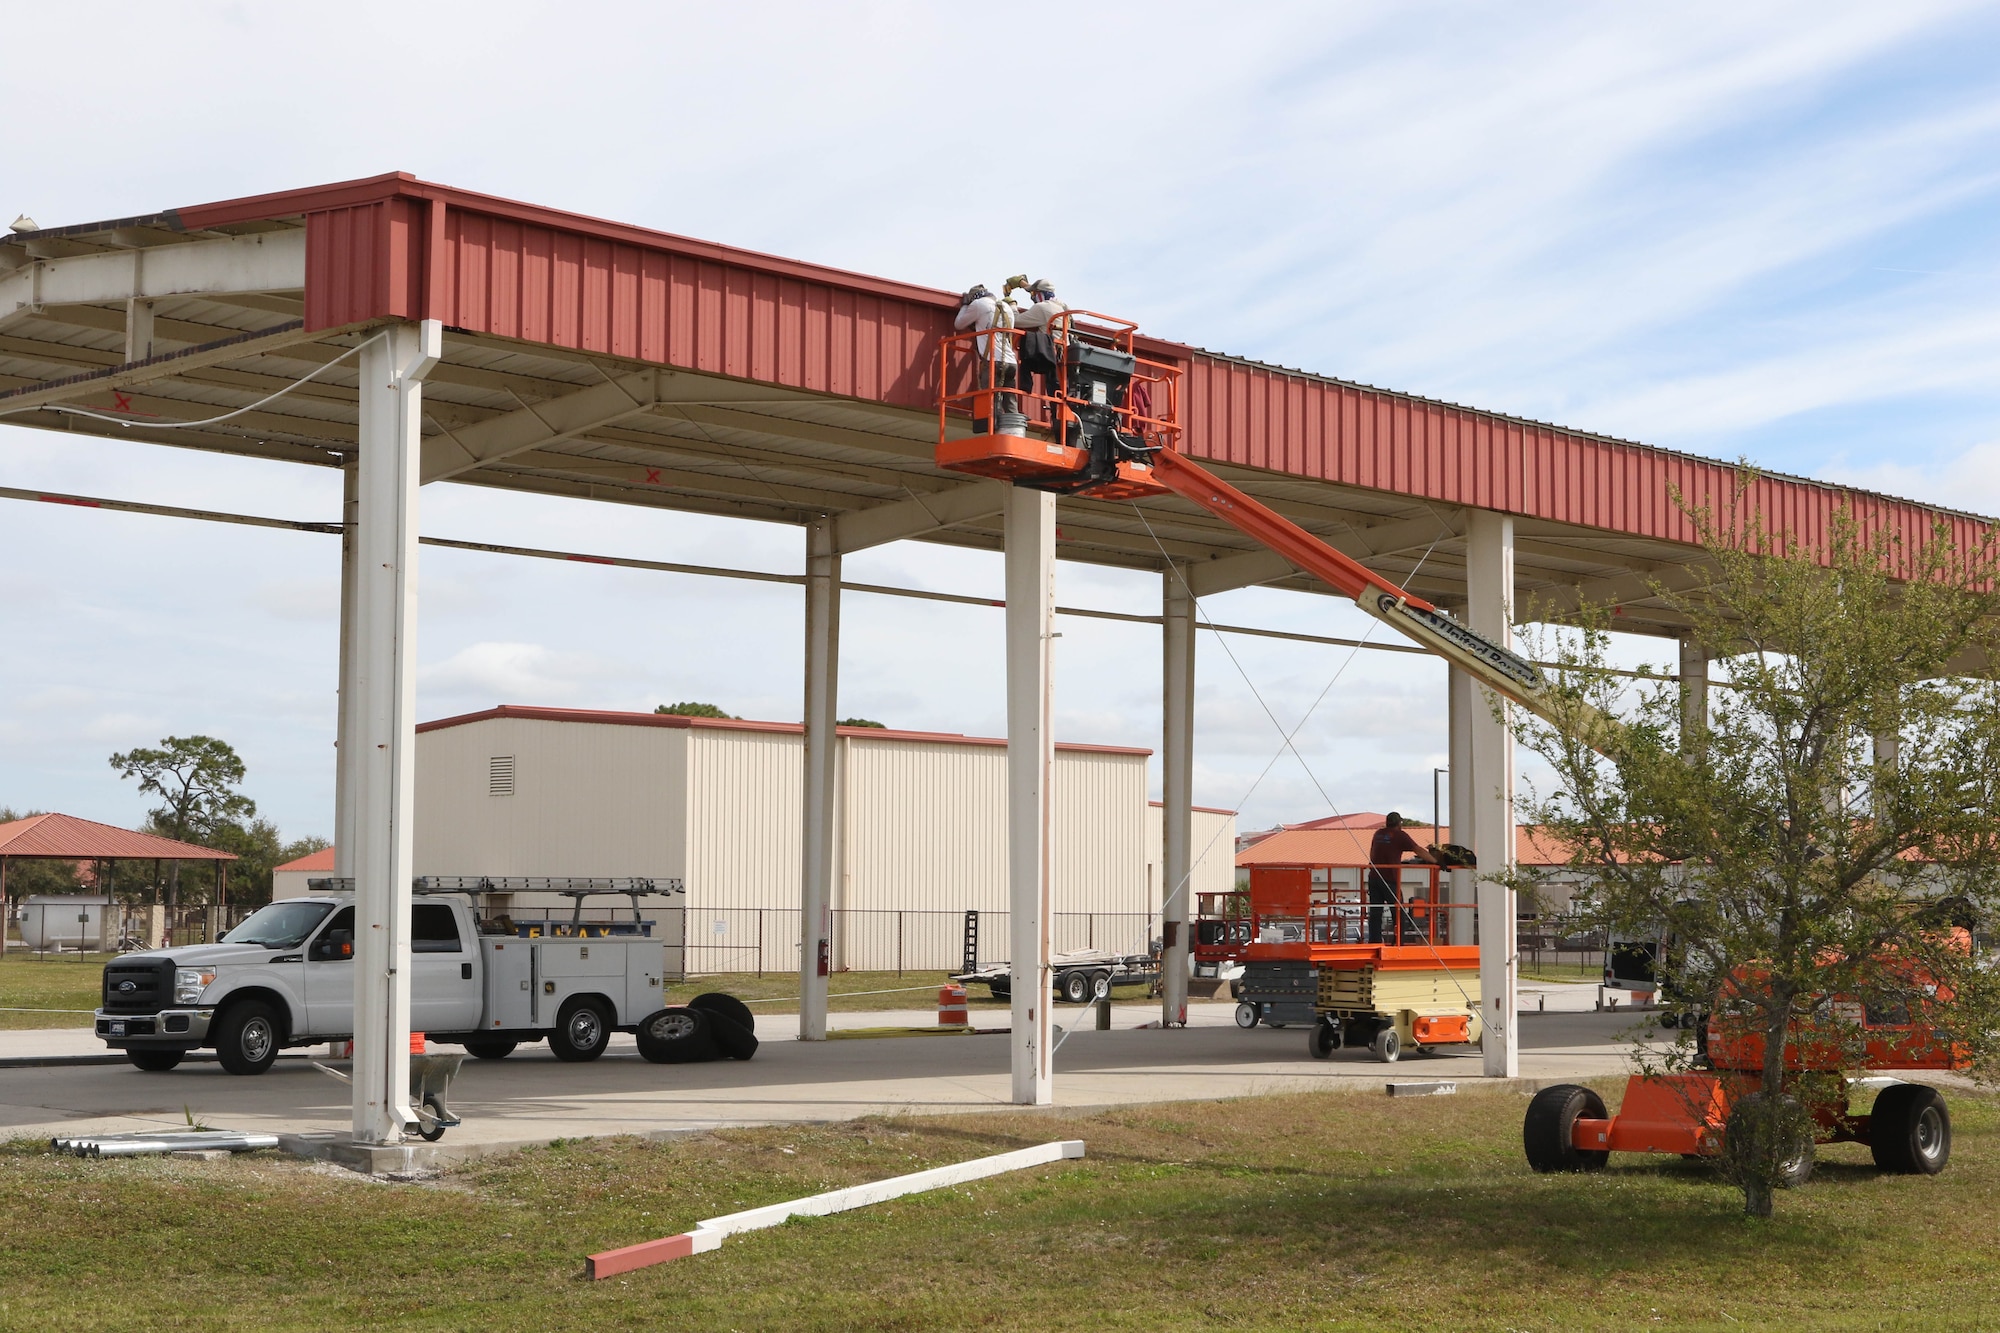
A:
852, 992
48, 984
1337, 1211
1580, 972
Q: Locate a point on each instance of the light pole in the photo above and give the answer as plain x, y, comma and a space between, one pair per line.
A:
1436, 827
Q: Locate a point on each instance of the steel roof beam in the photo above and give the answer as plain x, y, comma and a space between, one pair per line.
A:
161, 367
453, 452
859, 529
271, 262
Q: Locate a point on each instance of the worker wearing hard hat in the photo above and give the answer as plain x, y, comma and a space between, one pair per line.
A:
1038, 354
982, 311
1385, 851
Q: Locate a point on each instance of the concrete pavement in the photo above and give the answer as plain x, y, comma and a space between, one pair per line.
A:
531, 1097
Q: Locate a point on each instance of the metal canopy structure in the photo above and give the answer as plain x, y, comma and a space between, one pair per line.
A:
594, 360
410, 333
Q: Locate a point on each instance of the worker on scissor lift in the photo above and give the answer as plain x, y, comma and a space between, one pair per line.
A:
1386, 848
980, 310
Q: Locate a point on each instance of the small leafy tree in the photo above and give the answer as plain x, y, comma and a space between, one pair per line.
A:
693, 710
1812, 841
196, 779
863, 722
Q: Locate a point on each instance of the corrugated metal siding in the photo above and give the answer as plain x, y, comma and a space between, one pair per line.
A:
745, 792
398, 247
1100, 834
1300, 424
926, 827
1214, 855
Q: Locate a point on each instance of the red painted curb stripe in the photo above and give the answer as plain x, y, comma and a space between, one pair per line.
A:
644, 1255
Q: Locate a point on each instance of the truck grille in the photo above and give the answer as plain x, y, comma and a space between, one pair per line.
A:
152, 986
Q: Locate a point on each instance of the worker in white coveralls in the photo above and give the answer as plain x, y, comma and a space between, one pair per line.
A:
982, 311
1038, 353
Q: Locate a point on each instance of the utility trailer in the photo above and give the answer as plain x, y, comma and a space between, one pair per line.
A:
1907, 1130
1077, 977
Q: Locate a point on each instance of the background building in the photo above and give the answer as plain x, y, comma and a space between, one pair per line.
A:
920, 830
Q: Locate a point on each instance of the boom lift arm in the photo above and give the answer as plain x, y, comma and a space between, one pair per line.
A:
1108, 423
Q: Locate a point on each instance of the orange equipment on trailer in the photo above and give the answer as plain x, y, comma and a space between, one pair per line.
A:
1908, 1130
1219, 936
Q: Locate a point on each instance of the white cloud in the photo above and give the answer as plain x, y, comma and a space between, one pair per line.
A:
519, 673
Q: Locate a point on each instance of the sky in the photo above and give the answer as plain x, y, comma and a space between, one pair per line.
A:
1762, 232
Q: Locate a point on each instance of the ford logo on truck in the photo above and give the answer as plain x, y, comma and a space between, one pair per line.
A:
128, 986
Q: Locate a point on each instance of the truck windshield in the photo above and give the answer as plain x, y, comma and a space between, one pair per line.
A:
279, 926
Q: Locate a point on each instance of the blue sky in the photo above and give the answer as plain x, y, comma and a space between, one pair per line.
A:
1741, 231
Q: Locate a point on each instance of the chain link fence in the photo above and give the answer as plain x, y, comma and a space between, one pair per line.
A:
766, 939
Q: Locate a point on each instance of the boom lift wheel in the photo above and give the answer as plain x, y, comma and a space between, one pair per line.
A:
1909, 1132
1546, 1129
1247, 1015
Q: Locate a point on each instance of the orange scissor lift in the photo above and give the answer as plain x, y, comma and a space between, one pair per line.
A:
1381, 975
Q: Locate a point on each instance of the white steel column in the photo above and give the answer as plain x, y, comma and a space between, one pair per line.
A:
1176, 793
346, 714
1031, 577
384, 681
1460, 700
821, 759
1489, 578
1694, 691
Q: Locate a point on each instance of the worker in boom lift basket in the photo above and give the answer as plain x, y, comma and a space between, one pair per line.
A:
1385, 849
980, 310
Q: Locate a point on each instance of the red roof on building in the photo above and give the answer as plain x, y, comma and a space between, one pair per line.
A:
65, 837
318, 863
674, 722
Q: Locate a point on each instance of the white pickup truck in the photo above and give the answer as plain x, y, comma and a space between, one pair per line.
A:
285, 977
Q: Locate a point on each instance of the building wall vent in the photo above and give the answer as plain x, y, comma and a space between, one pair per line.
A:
500, 775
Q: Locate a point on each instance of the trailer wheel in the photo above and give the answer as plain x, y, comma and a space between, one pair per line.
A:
1074, 986
1668, 1019
496, 1049
677, 1036
581, 1032
1546, 1129
728, 1006
1100, 985
1387, 1046
1247, 1015
246, 1041
154, 1062
1324, 1039
1909, 1132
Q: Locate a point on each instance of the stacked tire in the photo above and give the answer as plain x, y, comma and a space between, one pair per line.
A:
713, 1026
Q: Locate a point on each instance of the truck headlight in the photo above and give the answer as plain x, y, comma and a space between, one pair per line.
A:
189, 983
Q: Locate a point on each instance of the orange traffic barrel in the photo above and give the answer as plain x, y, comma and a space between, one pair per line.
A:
951, 1007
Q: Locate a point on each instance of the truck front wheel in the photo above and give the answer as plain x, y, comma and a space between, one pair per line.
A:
246, 1040
154, 1062
581, 1033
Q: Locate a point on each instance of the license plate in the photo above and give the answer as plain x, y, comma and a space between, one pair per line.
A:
117, 1029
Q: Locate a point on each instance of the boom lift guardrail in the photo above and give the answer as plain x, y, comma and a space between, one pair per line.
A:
1107, 426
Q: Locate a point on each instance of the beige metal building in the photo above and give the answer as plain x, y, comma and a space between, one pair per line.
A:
920, 830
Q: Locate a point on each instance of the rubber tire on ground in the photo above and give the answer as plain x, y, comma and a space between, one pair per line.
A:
678, 1035
1546, 1129
154, 1062
1669, 1019
1323, 1041
1909, 1132
1248, 1015
1796, 1170
497, 1049
1387, 1046
247, 1038
731, 1008
731, 1038
1074, 987
1100, 985
432, 1131
575, 1039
